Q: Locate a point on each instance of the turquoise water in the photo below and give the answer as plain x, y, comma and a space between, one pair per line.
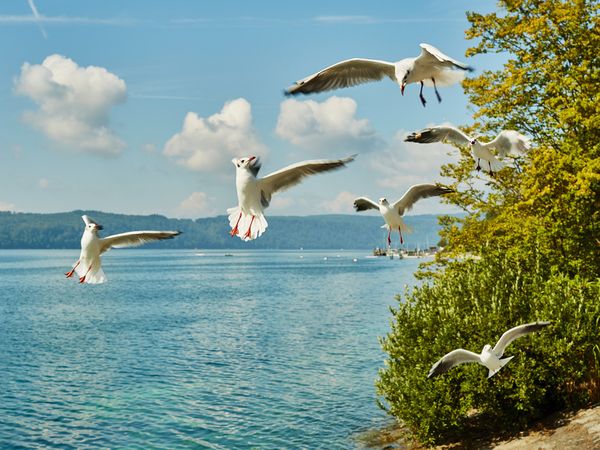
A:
262, 349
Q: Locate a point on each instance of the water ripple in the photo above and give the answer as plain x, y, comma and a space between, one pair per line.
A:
261, 350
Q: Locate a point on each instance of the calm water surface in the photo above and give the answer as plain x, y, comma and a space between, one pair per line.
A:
181, 349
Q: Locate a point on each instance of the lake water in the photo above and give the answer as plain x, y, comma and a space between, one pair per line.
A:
181, 349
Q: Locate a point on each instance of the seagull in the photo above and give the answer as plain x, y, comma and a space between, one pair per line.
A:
254, 194
431, 67
89, 265
489, 357
392, 214
507, 142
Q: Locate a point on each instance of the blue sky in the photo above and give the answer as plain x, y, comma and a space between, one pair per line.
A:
138, 106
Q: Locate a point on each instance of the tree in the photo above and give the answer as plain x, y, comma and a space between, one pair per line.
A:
532, 226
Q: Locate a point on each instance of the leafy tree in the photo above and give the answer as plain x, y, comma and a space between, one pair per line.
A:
534, 229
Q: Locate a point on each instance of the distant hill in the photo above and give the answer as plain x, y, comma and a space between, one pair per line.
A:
63, 230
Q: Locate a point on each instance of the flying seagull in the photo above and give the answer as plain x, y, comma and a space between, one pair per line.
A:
89, 265
392, 214
431, 68
489, 357
507, 142
254, 194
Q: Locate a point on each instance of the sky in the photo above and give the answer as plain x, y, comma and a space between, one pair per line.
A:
138, 106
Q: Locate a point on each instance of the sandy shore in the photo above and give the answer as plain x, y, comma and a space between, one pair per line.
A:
580, 430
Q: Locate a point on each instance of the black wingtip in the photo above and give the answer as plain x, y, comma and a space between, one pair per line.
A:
287, 93
470, 69
411, 138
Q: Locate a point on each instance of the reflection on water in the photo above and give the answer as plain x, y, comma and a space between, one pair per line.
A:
192, 349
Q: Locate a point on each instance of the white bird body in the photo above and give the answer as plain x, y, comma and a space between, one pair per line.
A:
489, 357
254, 194
430, 68
90, 257
505, 143
89, 265
392, 214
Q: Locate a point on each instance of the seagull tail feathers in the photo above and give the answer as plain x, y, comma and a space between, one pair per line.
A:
503, 362
493, 165
93, 276
249, 226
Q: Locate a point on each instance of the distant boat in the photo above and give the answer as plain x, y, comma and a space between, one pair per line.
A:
228, 254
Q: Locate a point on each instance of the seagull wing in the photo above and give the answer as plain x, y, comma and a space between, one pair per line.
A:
134, 239
344, 74
515, 333
509, 141
416, 193
439, 134
293, 174
364, 203
431, 55
454, 358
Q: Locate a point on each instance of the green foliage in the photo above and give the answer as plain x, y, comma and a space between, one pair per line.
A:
472, 305
534, 231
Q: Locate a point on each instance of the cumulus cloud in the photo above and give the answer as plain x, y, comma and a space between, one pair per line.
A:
4, 206
74, 103
329, 125
204, 144
198, 204
342, 203
403, 164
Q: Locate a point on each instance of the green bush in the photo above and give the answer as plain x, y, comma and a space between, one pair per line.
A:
471, 305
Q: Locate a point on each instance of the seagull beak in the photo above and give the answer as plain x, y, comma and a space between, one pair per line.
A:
252, 158
99, 227
402, 87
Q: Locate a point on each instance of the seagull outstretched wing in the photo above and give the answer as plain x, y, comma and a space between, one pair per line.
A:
515, 333
134, 239
364, 203
344, 74
295, 173
416, 193
454, 358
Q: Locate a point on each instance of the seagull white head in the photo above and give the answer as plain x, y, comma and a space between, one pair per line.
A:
383, 201
245, 162
90, 225
404, 80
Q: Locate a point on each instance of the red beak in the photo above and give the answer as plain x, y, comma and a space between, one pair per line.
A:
402, 88
252, 158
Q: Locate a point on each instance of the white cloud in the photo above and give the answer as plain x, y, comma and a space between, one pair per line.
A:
327, 126
206, 144
4, 206
342, 203
198, 204
403, 164
43, 183
74, 103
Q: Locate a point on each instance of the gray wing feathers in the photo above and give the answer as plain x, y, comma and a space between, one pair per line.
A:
364, 203
344, 74
454, 358
134, 239
439, 134
429, 52
292, 175
515, 333
509, 141
416, 193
